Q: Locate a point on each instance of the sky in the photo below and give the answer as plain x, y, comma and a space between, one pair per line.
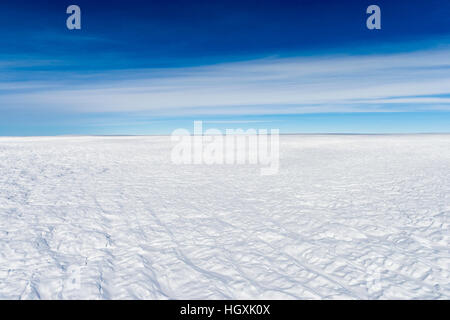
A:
150, 67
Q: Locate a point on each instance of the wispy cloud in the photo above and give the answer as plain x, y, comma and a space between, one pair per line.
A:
395, 82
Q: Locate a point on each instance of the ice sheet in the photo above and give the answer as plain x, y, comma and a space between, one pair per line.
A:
112, 218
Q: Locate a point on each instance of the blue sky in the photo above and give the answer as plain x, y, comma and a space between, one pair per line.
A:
149, 67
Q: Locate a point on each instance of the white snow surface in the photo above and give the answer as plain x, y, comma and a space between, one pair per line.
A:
364, 217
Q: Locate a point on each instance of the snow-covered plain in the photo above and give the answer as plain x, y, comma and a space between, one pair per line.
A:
362, 217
